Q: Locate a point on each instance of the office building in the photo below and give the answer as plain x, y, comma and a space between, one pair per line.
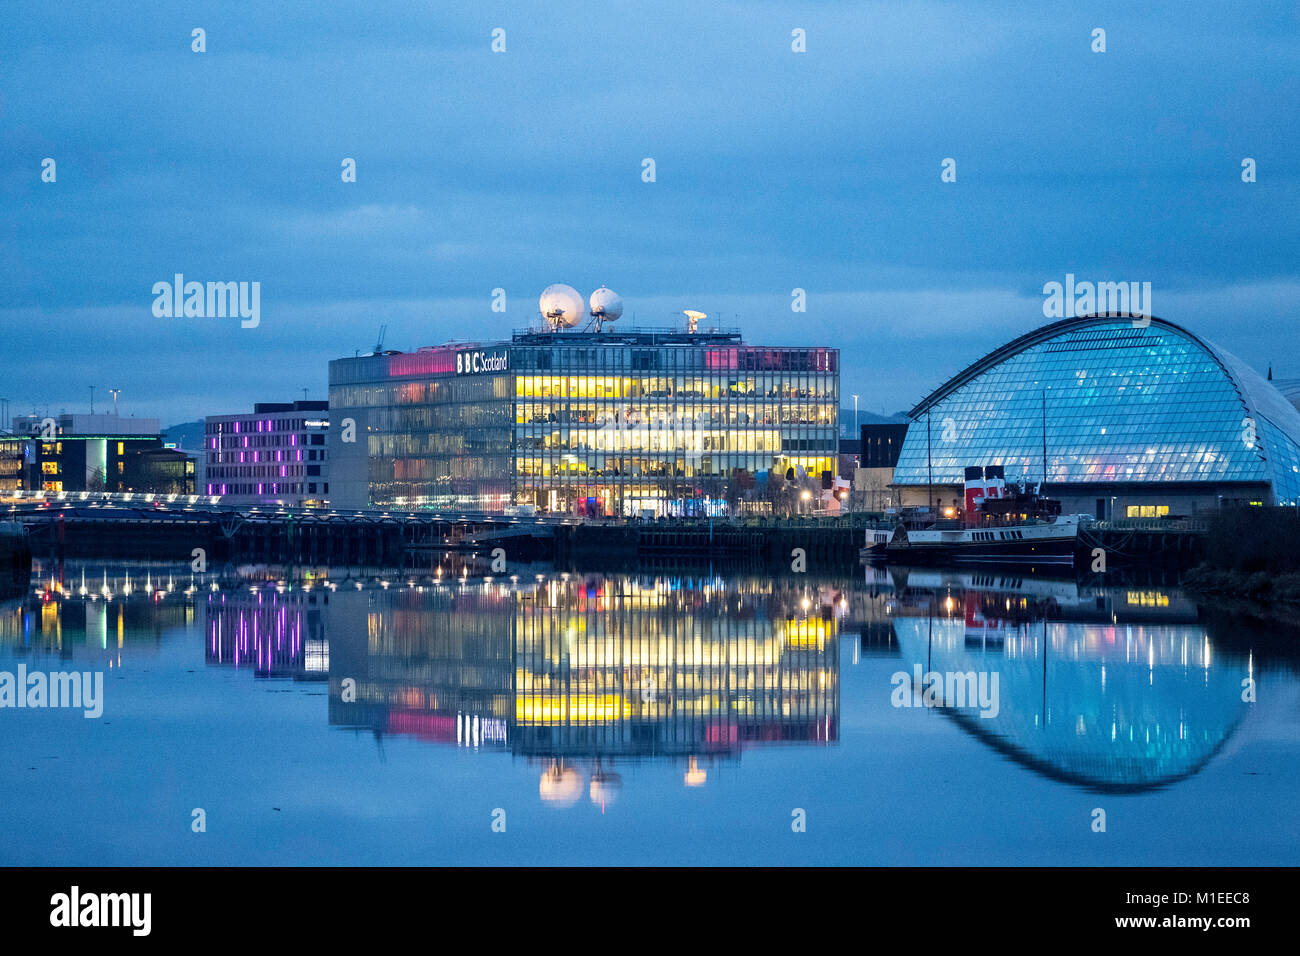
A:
74, 452
277, 455
635, 422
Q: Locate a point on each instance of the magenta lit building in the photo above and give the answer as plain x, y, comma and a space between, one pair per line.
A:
276, 455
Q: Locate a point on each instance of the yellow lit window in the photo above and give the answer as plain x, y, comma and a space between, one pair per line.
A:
121, 449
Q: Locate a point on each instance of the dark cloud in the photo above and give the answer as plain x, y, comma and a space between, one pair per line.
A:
775, 171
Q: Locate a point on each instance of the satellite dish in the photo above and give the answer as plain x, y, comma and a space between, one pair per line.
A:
606, 306
693, 318
562, 306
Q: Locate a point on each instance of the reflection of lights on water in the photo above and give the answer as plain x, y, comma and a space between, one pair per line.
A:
560, 786
695, 777
604, 788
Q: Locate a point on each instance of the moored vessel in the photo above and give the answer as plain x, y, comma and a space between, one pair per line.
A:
1002, 523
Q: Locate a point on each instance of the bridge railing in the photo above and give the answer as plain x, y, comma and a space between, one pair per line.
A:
110, 497
1185, 525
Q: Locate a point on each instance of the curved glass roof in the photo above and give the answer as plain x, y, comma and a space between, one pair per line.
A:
1121, 404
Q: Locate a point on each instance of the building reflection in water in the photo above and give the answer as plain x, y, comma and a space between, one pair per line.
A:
272, 632
1110, 689
582, 675
93, 618
1118, 690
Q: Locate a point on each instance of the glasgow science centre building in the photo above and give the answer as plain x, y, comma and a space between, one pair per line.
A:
1126, 417
620, 422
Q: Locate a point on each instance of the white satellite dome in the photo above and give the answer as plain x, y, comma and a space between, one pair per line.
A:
606, 304
562, 305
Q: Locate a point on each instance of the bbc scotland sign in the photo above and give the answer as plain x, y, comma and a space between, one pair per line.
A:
478, 362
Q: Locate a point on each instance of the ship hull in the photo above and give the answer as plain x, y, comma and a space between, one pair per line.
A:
1048, 545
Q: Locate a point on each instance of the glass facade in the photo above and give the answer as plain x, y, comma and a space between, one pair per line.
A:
428, 437
586, 423
1120, 405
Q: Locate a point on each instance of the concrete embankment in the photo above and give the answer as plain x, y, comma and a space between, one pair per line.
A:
1251, 553
813, 545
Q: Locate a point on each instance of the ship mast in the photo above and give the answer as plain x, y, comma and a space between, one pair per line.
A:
929, 465
1043, 490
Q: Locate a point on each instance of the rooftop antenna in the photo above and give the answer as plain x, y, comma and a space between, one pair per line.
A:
92, 399
115, 392
379, 346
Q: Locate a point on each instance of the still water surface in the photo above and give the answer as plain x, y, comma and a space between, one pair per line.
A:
650, 719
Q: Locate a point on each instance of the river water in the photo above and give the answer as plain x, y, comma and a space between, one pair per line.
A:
919, 717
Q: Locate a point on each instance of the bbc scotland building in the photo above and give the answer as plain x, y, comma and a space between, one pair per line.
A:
633, 422
1127, 417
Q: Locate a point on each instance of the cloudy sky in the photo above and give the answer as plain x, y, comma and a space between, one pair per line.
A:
775, 170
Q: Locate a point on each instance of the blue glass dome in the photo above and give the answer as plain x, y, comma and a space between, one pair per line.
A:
1123, 404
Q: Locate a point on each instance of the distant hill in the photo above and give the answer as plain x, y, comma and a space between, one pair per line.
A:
867, 418
188, 436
